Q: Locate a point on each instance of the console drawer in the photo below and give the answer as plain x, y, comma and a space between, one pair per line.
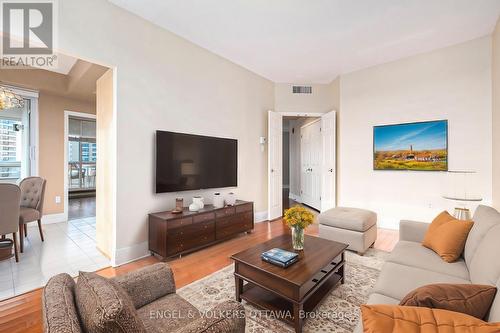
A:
174, 245
191, 231
236, 226
224, 212
203, 217
179, 223
199, 240
225, 221
244, 208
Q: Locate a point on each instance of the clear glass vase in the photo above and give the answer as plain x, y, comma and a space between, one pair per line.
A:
298, 238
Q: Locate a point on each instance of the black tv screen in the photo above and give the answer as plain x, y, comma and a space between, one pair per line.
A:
192, 162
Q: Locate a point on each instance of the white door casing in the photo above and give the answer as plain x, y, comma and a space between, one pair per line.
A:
275, 172
311, 143
305, 156
328, 169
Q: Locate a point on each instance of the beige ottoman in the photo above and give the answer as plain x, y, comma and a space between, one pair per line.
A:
354, 226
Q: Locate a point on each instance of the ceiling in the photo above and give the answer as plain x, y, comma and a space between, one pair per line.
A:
313, 41
78, 82
64, 64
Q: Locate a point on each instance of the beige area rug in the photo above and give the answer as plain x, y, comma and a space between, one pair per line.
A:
338, 312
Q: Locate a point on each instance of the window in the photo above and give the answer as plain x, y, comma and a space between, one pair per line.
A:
10, 149
82, 154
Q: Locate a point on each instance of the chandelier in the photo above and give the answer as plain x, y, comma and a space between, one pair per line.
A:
9, 99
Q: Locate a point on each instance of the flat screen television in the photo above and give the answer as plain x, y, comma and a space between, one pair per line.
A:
421, 146
193, 162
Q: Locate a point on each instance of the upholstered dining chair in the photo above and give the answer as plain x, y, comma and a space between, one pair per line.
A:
10, 196
32, 194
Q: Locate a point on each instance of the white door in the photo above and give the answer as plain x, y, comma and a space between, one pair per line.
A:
275, 151
328, 171
315, 164
310, 148
305, 192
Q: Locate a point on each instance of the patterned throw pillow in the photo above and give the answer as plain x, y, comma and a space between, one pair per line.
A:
104, 306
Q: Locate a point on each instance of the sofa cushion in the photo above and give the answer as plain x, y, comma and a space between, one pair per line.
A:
409, 319
494, 315
484, 219
447, 236
472, 299
59, 311
396, 280
375, 298
167, 314
485, 267
415, 255
147, 284
104, 306
349, 218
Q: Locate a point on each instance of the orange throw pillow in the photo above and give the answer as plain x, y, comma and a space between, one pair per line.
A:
410, 319
446, 236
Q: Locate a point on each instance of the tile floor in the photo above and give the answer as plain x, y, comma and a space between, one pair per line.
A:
68, 247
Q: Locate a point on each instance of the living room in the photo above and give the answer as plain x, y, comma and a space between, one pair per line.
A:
220, 72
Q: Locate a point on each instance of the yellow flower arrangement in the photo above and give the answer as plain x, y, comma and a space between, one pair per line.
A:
298, 217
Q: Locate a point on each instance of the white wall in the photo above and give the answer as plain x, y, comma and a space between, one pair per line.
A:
322, 98
106, 170
452, 83
496, 115
167, 83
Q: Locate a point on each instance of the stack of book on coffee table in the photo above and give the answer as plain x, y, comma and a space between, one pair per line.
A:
280, 257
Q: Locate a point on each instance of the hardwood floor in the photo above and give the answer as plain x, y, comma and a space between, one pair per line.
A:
24, 313
79, 208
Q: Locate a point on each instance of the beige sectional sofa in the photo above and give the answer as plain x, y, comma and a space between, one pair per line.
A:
411, 265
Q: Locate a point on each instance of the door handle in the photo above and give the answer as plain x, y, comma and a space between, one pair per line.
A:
330, 170
272, 170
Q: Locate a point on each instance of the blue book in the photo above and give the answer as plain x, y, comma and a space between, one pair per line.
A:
278, 263
280, 256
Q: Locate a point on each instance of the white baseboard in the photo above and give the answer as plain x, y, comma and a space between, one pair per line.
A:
128, 254
294, 197
54, 218
260, 216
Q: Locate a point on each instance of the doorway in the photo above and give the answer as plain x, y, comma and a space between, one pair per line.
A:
301, 161
81, 158
68, 245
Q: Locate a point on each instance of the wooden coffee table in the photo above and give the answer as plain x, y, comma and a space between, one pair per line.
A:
295, 290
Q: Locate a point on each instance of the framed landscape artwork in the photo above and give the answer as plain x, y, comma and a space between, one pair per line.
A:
421, 146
